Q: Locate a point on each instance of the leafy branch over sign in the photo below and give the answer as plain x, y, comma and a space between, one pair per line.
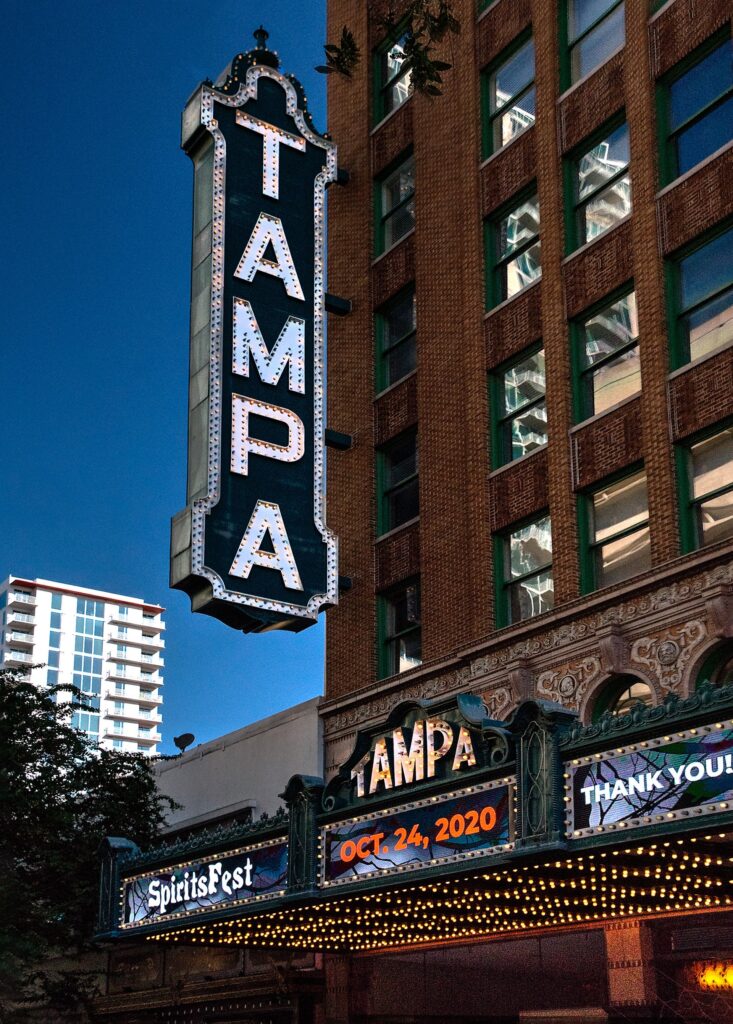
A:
424, 24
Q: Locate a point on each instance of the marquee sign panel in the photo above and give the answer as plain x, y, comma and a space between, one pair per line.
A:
687, 774
252, 547
219, 882
478, 820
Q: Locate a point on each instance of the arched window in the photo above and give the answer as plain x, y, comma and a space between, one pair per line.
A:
621, 695
717, 668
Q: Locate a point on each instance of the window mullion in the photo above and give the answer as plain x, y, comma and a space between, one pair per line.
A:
610, 357
602, 187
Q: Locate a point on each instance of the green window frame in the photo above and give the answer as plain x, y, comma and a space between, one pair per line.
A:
705, 482
694, 126
614, 530
399, 629
518, 406
395, 329
700, 297
398, 498
508, 95
593, 31
597, 184
605, 355
524, 580
512, 246
392, 81
394, 203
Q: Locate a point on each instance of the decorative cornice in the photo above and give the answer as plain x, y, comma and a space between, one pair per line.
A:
207, 840
706, 700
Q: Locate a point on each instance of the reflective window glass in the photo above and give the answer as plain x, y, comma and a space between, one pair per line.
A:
705, 298
621, 546
511, 96
522, 412
399, 481
402, 638
595, 31
396, 339
397, 204
528, 581
516, 241
602, 185
712, 487
610, 369
699, 108
394, 85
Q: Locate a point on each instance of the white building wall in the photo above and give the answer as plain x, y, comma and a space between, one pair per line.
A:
243, 770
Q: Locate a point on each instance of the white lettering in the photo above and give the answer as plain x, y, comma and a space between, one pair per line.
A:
380, 767
248, 868
268, 231
357, 772
676, 773
272, 137
267, 519
225, 880
464, 750
437, 725
214, 876
288, 350
154, 893
237, 878
243, 443
694, 772
409, 767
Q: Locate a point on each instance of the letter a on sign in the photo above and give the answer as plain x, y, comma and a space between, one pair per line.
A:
252, 546
267, 521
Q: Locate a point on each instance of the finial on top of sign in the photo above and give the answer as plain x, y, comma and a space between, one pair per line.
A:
261, 54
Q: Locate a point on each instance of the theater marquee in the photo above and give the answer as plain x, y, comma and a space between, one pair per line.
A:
252, 547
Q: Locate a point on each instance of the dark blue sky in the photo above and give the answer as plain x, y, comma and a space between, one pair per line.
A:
96, 215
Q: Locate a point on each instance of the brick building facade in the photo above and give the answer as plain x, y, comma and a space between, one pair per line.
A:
632, 595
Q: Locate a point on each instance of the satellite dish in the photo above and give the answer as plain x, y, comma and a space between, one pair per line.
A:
184, 740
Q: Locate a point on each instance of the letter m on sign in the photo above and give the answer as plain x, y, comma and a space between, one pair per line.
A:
251, 546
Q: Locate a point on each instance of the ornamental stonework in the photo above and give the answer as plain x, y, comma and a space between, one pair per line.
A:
569, 684
666, 655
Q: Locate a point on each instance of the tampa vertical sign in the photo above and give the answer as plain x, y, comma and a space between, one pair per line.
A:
252, 547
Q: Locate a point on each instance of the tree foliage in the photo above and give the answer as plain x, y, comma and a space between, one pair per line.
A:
421, 26
59, 796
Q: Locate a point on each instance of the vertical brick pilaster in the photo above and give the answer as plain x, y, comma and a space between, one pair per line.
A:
554, 323
649, 283
351, 625
451, 379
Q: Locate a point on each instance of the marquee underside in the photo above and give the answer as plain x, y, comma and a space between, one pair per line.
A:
649, 878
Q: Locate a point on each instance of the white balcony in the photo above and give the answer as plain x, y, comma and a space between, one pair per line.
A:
145, 698
148, 643
16, 600
23, 618
132, 713
125, 675
20, 639
131, 734
18, 658
134, 656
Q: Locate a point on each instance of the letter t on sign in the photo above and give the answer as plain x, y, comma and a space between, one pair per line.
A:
272, 137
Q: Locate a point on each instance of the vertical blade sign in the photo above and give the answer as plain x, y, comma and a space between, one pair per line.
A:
251, 547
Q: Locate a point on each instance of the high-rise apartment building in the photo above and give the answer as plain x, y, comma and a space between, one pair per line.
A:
106, 645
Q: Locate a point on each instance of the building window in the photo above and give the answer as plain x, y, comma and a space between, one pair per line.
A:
86, 722
601, 186
619, 532
393, 80
513, 250
621, 695
698, 108
397, 481
399, 614
520, 412
509, 96
395, 327
117, 744
527, 587
395, 205
606, 357
708, 481
595, 29
717, 669
702, 293
56, 602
